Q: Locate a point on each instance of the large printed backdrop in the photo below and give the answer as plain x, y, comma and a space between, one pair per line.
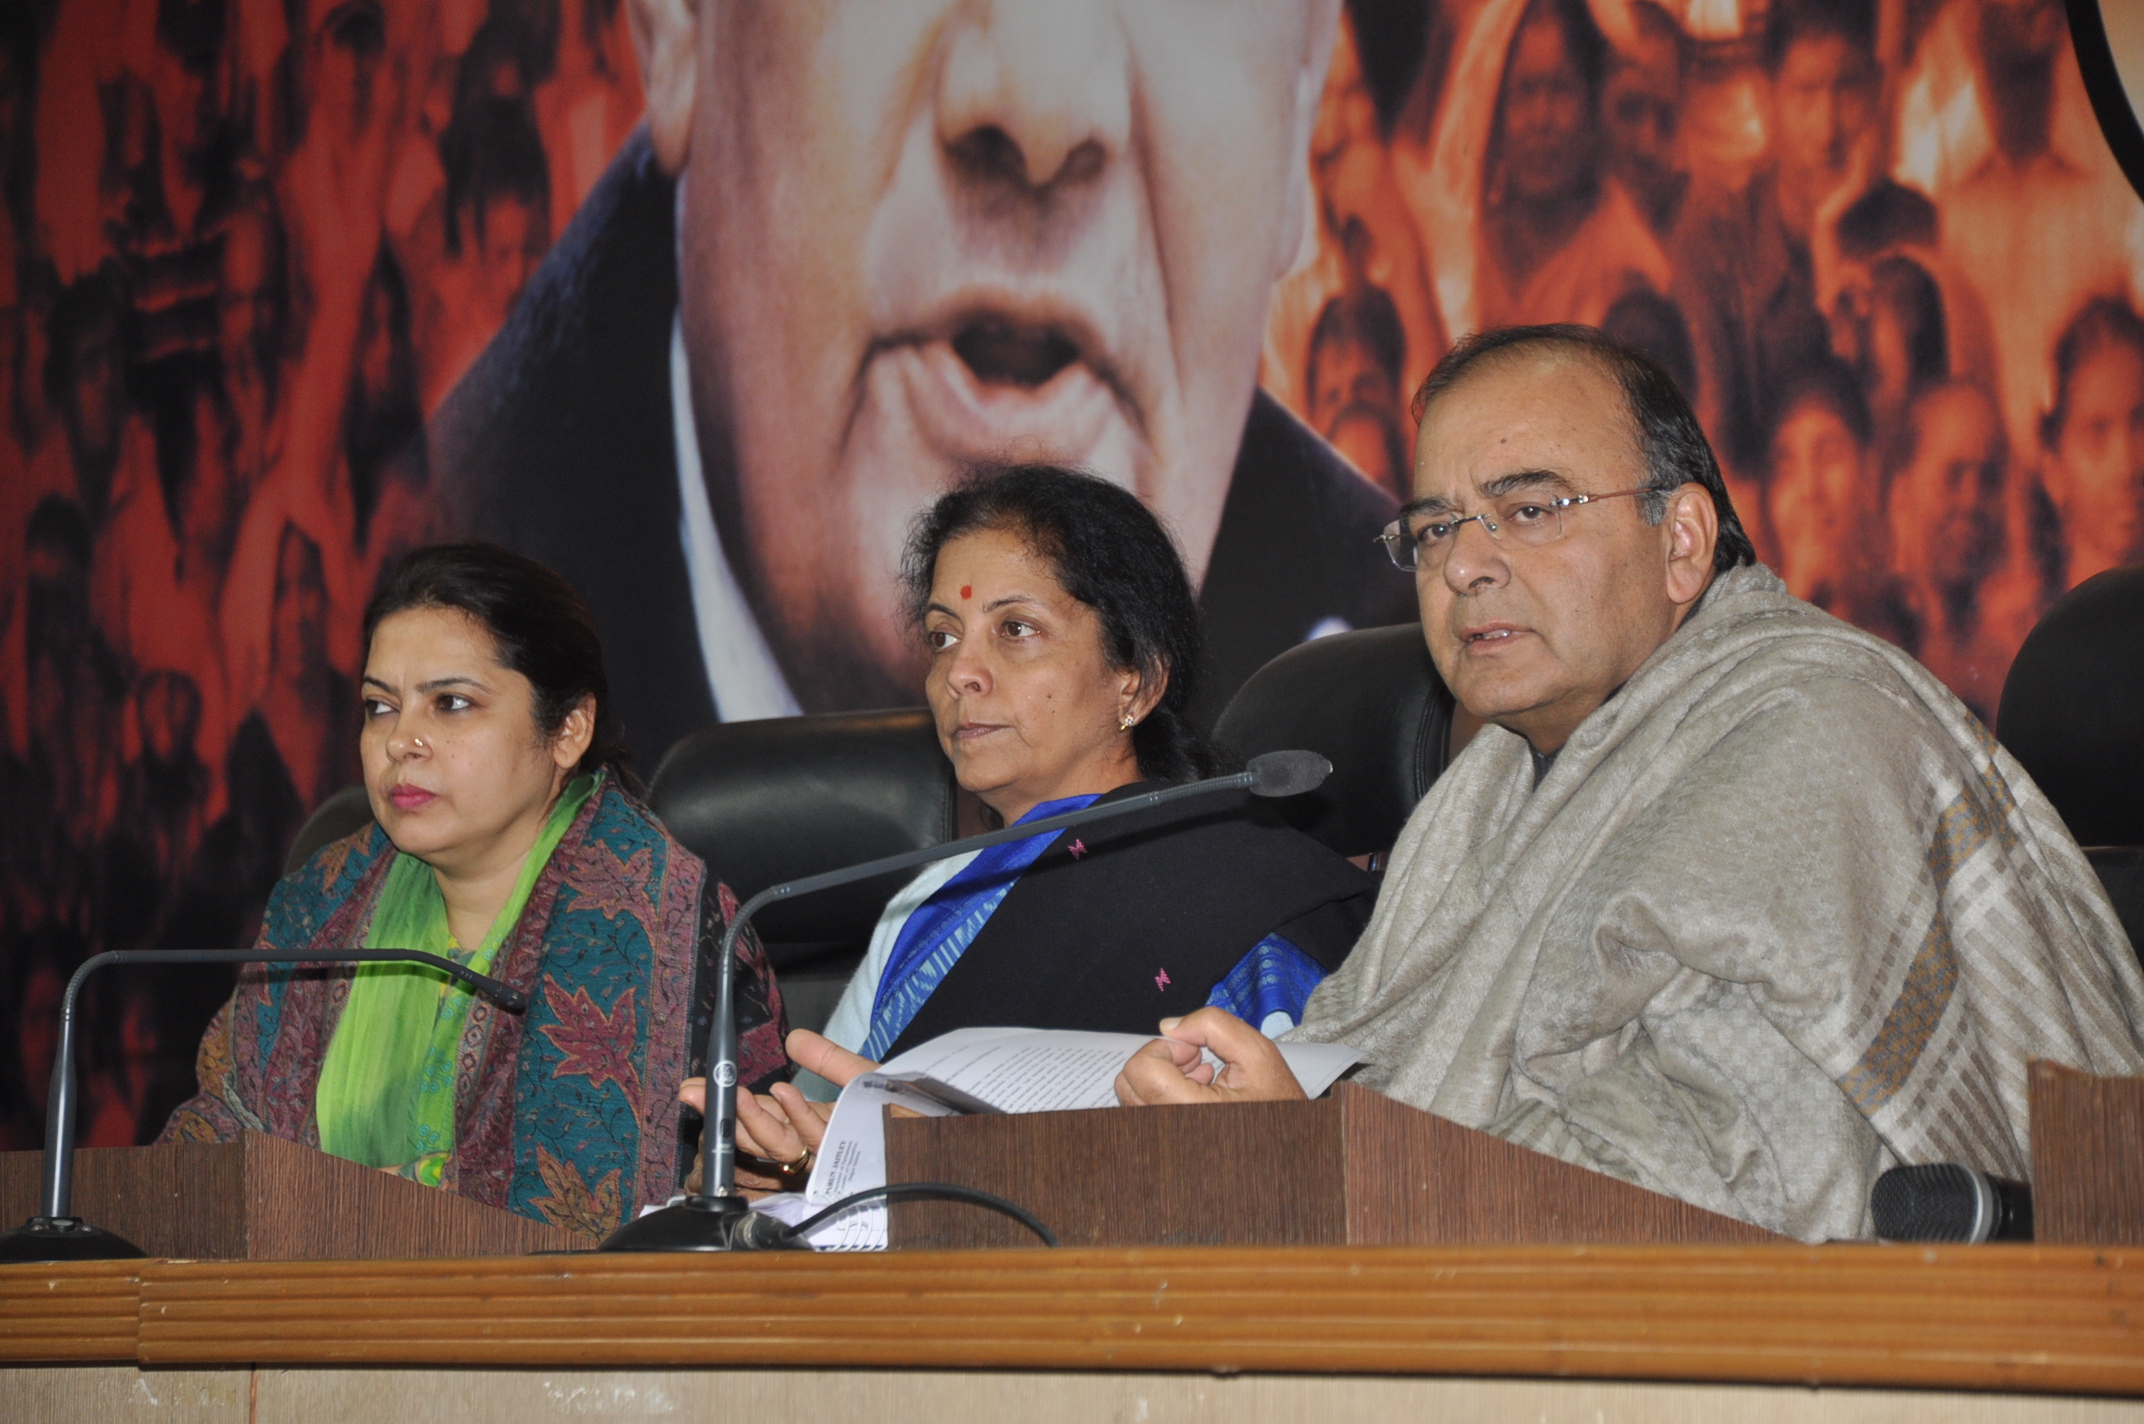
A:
253, 246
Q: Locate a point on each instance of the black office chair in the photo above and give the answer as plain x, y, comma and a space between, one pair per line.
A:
347, 811
1372, 704
2073, 713
769, 801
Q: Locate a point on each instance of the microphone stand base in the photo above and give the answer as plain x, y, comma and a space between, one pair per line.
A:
700, 1224
64, 1238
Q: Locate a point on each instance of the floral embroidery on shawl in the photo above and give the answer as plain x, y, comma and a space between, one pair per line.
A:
571, 1204
596, 1045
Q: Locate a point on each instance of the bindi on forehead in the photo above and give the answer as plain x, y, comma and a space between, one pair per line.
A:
967, 590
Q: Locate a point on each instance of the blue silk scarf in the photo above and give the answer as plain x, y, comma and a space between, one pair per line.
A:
942, 927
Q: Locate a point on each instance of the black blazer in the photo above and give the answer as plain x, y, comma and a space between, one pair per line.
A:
1135, 920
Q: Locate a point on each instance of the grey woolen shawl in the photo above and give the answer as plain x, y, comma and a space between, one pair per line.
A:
1781, 916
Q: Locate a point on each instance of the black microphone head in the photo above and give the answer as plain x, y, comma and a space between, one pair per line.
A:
1287, 773
1946, 1201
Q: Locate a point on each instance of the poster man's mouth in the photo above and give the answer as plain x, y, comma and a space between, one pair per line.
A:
981, 373
1007, 353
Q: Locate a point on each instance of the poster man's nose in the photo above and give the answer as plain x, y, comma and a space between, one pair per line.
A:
1036, 90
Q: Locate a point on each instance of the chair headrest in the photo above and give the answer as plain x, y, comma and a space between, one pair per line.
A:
769, 801
2073, 707
1372, 704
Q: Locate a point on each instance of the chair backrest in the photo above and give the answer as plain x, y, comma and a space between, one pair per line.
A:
2073, 708
2073, 714
348, 810
1372, 704
2121, 873
769, 801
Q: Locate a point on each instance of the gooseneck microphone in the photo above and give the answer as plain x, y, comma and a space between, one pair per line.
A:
718, 1218
1947, 1201
56, 1234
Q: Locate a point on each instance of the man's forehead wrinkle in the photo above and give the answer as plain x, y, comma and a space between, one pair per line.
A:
1495, 487
1528, 419
1524, 479
1537, 366
1427, 504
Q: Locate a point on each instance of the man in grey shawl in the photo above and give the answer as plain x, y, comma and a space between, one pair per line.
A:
1728, 899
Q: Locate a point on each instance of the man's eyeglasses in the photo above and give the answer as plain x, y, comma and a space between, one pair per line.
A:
1424, 541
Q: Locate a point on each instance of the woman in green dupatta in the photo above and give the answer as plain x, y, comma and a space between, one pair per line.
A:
508, 838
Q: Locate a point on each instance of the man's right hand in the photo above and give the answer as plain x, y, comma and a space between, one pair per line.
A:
1172, 1069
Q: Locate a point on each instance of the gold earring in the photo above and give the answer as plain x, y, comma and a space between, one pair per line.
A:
1124, 723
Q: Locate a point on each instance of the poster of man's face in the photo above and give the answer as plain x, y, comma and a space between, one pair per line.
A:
920, 236
701, 302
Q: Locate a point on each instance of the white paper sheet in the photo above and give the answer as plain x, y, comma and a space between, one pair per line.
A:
863, 1229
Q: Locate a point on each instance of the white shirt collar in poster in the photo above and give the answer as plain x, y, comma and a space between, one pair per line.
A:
741, 671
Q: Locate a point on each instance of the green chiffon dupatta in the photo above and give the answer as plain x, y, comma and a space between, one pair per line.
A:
386, 1091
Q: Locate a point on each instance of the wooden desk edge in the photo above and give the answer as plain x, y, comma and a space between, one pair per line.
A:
2064, 1320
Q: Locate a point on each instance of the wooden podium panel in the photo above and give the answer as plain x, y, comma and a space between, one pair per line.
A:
265, 1199
2087, 1157
1354, 1168
1416, 1179
1247, 1174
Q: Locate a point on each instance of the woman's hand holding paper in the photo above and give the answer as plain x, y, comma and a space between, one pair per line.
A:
819, 1054
783, 1128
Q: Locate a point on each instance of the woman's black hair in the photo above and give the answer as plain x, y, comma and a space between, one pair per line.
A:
539, 625
1110, 553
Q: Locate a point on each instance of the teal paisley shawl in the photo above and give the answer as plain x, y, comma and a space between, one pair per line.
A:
567, 1113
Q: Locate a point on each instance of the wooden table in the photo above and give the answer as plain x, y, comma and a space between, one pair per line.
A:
1362, 1333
